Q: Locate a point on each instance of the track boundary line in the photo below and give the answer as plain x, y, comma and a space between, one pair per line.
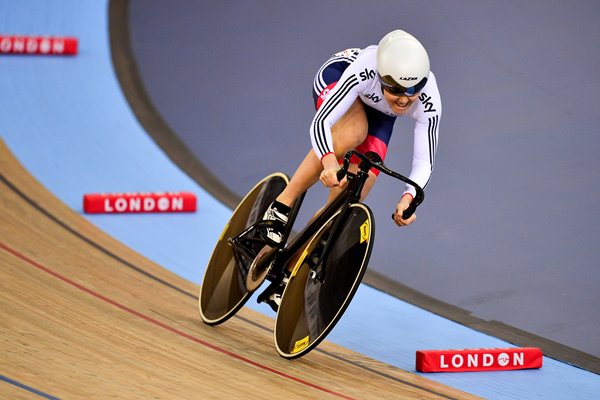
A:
27, 388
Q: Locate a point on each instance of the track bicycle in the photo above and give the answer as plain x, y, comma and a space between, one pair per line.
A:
325, 262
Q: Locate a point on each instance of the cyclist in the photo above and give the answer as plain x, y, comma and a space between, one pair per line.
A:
358, 95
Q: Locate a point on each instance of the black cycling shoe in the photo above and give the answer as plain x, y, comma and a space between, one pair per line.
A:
273, 224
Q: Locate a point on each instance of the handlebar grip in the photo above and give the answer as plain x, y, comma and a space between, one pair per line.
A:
341, 174
409, 211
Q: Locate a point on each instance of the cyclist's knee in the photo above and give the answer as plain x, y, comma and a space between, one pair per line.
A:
333, 193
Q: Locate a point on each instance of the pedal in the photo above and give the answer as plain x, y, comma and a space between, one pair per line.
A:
261, 228
264, 296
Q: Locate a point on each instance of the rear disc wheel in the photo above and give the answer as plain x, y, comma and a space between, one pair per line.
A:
223, 291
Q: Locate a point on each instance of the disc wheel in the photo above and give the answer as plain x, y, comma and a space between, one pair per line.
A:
310, 308
223, 291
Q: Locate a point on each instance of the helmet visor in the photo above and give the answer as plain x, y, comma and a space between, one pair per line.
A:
391, 86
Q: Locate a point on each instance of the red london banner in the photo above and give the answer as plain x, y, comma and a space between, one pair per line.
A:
159, 202
465, 360
38, 45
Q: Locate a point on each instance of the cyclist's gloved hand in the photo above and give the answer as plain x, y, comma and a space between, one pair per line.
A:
400, 207
329, 178
329, 174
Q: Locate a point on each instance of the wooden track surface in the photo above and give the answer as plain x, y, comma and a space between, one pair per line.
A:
83, 316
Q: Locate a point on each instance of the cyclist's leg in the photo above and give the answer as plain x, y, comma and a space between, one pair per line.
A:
379, 128
348, 133
305, 176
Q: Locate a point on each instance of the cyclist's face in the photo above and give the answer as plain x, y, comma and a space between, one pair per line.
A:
399, 104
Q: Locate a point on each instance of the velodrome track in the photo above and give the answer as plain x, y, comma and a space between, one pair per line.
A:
84, 316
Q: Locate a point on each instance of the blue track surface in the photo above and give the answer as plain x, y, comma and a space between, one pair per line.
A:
66, 120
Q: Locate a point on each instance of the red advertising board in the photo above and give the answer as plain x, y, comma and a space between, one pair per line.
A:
465, 360
38, 45
115, 203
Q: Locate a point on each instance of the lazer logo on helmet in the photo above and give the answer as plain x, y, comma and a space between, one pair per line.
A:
366, 74
410, 78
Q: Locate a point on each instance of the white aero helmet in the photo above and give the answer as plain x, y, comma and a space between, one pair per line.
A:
402, 63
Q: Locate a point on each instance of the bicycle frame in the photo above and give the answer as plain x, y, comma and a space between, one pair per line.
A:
278, 258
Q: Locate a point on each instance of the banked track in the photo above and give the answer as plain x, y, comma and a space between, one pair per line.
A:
155, 126
86, 317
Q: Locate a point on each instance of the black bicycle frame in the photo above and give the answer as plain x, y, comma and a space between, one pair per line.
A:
349, 195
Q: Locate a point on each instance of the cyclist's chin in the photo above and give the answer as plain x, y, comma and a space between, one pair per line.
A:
400, 108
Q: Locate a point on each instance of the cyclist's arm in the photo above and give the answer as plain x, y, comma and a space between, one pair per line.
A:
333, 108
427, 116
338, 102
425, 145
